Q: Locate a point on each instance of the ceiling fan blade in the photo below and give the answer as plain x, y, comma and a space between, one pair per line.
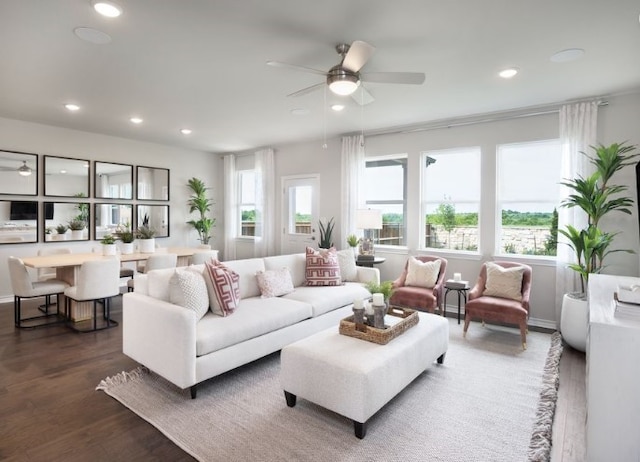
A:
409, 78
362, 96
306, 90
296, 68
357, 56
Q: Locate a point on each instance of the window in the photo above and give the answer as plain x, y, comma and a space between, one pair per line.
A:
385, 189
528, 197
247, 203
451, 199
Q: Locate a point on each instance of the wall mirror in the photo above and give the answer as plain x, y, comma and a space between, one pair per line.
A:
113, 181
153, 183
156, 217
109, 216
18, 173
65, 177
18, 222
66, 221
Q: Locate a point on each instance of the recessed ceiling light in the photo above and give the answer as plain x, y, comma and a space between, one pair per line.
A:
108, 9
92, 35
72, 107
337, 107
508, 73
135, 120
185, 131
63, 171
300, 111
564, 56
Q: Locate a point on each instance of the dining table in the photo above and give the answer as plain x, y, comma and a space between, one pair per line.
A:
68, 265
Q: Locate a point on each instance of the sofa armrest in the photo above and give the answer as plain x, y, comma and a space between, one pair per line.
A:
160, 336
366, 274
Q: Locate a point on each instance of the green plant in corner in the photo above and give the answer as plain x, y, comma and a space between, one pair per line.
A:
199, 202
326, 234
597, 197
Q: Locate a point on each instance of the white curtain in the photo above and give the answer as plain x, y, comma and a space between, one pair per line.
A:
265, 200
230, 207
353, 165
578, 125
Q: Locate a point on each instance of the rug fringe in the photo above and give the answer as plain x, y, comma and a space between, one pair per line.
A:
540, 445
122, 378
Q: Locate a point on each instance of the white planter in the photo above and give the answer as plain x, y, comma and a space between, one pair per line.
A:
77, 235
60, 237
147, 245
48, 237
126, 248
109, 249
574, 321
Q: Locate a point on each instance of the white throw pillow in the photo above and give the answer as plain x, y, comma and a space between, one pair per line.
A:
274, 283
504, 282
188, 289
348, 268
422, 274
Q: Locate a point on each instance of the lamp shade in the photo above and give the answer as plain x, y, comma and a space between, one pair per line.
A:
368, 219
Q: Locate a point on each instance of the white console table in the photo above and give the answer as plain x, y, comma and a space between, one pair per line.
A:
613, 375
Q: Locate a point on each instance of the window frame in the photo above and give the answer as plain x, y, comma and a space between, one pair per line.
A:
241, 204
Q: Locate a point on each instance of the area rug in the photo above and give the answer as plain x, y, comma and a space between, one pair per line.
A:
483, 404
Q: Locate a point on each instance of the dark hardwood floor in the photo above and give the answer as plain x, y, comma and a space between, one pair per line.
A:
51, 411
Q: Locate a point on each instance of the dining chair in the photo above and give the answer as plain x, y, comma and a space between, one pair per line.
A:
156, 261
200, 257
24, 287
97, 281
49, 273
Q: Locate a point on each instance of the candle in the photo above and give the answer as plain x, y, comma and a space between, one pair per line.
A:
368, 309
378, 299
358, 304
457, 277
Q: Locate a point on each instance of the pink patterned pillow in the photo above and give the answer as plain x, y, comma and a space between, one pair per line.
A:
323, 268
274, 283
225, 285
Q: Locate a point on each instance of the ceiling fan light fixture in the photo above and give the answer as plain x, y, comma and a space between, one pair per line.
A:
24, 169
342, 82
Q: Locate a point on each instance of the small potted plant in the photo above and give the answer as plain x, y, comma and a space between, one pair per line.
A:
48, 233
385, 288
108, 244
146, 236
62, 232
326, 234
77, 227
353, 242
126, 236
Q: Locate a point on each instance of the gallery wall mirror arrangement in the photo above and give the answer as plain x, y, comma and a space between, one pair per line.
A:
81, 210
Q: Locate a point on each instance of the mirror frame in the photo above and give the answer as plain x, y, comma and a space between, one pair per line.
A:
96, 206
86, 164
96, 175
68, 234
32, 163
157, 228
139, 190
19, 230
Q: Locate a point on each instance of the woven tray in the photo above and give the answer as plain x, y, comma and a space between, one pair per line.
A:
409, 318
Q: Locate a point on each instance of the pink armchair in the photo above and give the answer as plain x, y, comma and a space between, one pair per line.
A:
419, 298
498, 309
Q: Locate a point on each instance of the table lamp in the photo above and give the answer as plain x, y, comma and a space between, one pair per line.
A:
368, 219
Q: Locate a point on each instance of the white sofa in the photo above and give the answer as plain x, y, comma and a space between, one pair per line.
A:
169, 340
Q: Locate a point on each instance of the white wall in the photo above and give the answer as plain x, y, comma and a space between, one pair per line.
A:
182, 163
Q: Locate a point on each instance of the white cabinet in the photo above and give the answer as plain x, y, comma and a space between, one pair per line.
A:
613, 375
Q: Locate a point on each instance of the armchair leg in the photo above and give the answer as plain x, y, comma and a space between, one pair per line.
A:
523, 334
467, 320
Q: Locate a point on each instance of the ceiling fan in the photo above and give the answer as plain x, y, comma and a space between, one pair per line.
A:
345, 78
23, 169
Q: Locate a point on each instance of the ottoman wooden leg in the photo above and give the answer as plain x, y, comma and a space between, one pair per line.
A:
360, 429
291, 398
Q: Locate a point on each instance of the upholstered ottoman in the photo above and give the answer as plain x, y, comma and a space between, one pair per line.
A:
355, 378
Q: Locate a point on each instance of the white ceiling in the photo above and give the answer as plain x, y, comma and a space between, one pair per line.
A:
201, 64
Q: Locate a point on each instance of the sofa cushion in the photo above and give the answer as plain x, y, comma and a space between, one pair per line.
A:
296, 263
323, 268
274, 283
224, 286
158, 283
255, 317
247, 270
348, 268
422, 274
325, 299
188, 289
504, 282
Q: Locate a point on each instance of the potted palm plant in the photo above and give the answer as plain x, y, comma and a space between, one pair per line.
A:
199, 202
596, 197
